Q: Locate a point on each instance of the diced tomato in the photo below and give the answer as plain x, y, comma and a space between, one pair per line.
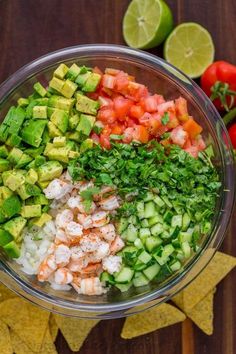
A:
159, 99
179, 136
117, 129
111, 71
105, 137
95, 138
136, 91
192, 150
165, 142
128, 135
93, 95
105, 101
106, 91
149, 104
130, 122
108, 81
199, 143
145, 119
106, 115
96, 70
141, 134
164, 107
161, 130
188, 144
122, 106
192, 128
136, 111
181, 109
121, 81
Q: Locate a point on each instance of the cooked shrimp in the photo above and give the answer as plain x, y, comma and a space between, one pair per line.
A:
47, 268
86, 185
102, 251
104, 190
91, 286
79, 259
61, 237
100, 219
91, 269
112, 264
109, 203
62, 255
85, 221
63, 276
76, 283
117, 245
57, 189
64, 218
77, 203
73, 229
90, 242
108, 232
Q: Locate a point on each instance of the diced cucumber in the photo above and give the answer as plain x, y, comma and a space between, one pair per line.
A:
144, 223
152, 242
167, 202
165, 235
124, 276
152, 271
140, 279
123, 235
144, 257
186, 249
155, 219
159, 202
167, 217
206, 227
157, 229
179, 254
139, 266
107, 278
177, 221
149, 210
122, 225
129, 249
131, 233
140, 209
133, 220
167, 250
144, 232
175, 266
186, 221
123, 287
138, 243
174, 232
184, 236
149, 197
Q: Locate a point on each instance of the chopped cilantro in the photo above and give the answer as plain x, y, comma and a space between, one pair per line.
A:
165, 119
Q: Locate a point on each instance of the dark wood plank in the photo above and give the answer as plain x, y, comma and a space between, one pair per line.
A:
31, 28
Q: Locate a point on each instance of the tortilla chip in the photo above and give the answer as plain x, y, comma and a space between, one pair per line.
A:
217, 269
6, 293
75, 330
151, 320
202, 313
27, 321
48, 346
5, 339
19, 346
53, 327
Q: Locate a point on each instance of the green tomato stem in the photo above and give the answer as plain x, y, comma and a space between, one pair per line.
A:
229, 116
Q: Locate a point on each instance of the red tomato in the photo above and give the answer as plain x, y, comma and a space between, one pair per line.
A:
136, 91
95, 138
122, 106
96, 70
136, 111
166, 106
117, 129
111, 71
128, 135
105, 138
141, 134
105, 101
232, 135
179, 136
106, 115
149, 104
108, 81
121, 81
181, 109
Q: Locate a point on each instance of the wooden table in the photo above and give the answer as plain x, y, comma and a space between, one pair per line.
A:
31, 28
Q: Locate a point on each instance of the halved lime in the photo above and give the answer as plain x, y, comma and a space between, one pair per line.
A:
190, 48
147, 23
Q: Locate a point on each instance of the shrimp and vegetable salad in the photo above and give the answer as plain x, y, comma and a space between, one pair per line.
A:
103, 184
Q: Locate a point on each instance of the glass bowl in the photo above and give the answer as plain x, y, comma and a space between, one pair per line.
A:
160, 77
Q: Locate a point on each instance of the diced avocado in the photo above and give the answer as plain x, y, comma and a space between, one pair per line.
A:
73, 154
82, 78
13, 140
73, 72
24, 160
60, 119
31, 177
48, 147
11, 206
59, 141
40, 199
91, 83
40, 89
15, 226
59, 154
68, 89
12, 250
86, 145
15, 155
4, 165
32, 189
3, 151
32, 132
30, 165
5, 193
41, 221
5, 237
86, 123
49, 171
13, 179
86, 105
45, 137
53, 130
22, 102
50, 111
23, 193
40, 112
61, 102
61, 71
34, 151
73, 121
76, 136
31, 211
2, 217
16, 121
39, 160
43, 184
3, 133
56, 84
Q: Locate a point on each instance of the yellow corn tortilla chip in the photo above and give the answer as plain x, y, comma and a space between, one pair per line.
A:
217, 269
53, 327
151, 320
20, 347
6, 293
5, 339
74, 330
48, 346
202, 313
27, 321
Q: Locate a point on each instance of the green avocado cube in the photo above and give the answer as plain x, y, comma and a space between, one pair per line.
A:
15, 155
22, 102
5, 237
40, 89
40, 199
61, 71
92, 83
3, 133
43, 184
24, 160
50, 111
68, 89
73, 121
17, 119
86, 105
39, 160
13, 179
23, 193
31, 211
82, 78
59, 154
56, 84
9, 116
86, 145
3, 151
5, 193
40, 112
13, 140
73, 154
76, 136
42, 220
53, 131
11, 206
73, 72
59, 102
59, 141
12, 250
60, 119
49, 171
48, 147
31, 176
32, 132
4, 165
15, 226
34, 152
86, 123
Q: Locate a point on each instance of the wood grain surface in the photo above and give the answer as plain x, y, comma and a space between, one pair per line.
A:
31, 28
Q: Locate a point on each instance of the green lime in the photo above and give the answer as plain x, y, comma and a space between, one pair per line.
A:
147, 23
190, 48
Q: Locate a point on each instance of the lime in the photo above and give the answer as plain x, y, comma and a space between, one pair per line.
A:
190, 48
147, 23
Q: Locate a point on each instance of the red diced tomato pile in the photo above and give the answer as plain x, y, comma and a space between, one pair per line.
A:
128, 110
